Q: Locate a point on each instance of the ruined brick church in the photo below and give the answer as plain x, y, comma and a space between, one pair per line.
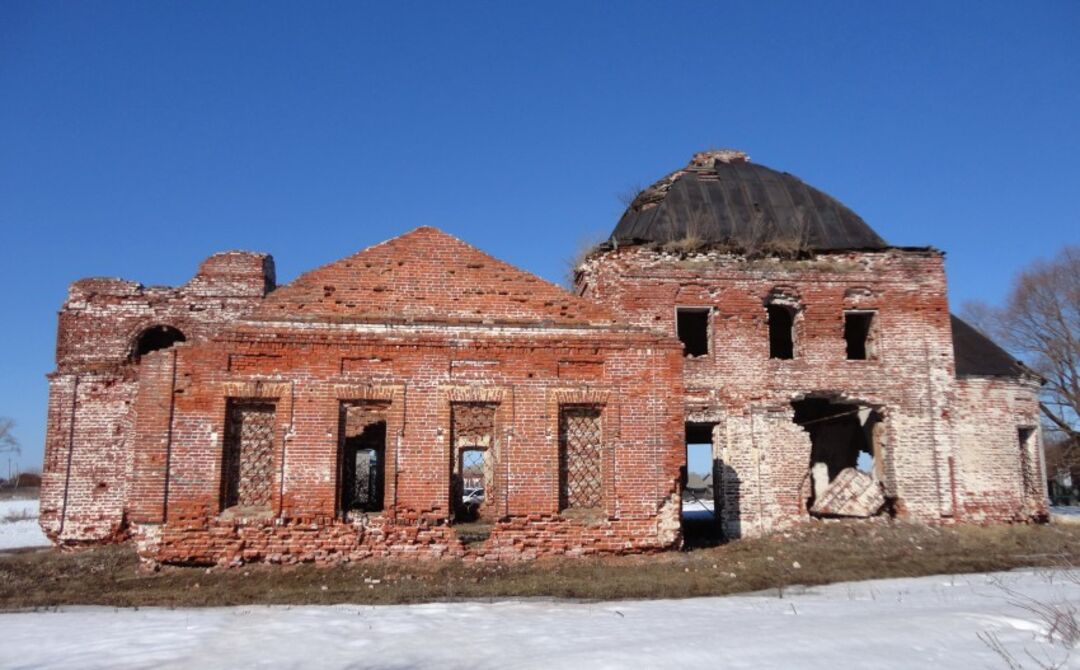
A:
421, 398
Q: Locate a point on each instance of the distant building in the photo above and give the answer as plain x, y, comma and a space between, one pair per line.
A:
378, 404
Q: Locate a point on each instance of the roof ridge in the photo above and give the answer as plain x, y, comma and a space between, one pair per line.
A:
428, 273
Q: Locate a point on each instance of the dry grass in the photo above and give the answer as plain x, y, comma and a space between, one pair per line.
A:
586, 246
761, 239
824, 552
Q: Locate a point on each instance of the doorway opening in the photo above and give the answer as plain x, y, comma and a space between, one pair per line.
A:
363, 470
362, 457
700, 514
473, 486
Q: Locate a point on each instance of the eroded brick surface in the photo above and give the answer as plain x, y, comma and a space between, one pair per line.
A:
91, 461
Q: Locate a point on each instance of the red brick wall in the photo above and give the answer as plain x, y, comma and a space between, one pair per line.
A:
308, 374
418, 322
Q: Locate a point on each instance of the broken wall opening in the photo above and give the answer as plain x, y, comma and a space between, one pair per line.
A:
845, 456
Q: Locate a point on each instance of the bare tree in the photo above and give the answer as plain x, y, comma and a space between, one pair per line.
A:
8, 443
1040, 323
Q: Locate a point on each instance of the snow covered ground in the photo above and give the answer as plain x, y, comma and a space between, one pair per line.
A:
19, 525
929, 622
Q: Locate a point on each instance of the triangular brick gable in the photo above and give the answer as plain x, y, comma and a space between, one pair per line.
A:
427, 275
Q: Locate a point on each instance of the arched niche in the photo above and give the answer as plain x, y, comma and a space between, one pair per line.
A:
155, 338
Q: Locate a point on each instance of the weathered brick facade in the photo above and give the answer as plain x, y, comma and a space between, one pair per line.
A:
421, 398
948, 447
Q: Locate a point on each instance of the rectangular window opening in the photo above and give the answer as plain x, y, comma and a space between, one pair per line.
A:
692, 327
580, 457
247, 460
858, 333
781, 332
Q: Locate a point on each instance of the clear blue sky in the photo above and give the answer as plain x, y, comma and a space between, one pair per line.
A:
137, 138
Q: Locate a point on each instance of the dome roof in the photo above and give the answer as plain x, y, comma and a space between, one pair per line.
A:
723, 198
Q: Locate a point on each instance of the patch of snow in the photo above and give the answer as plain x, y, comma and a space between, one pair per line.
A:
20, 532
1067, 515
690, 505
886, 624
698, 509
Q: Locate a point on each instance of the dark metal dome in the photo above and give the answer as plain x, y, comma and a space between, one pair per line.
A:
723, 198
